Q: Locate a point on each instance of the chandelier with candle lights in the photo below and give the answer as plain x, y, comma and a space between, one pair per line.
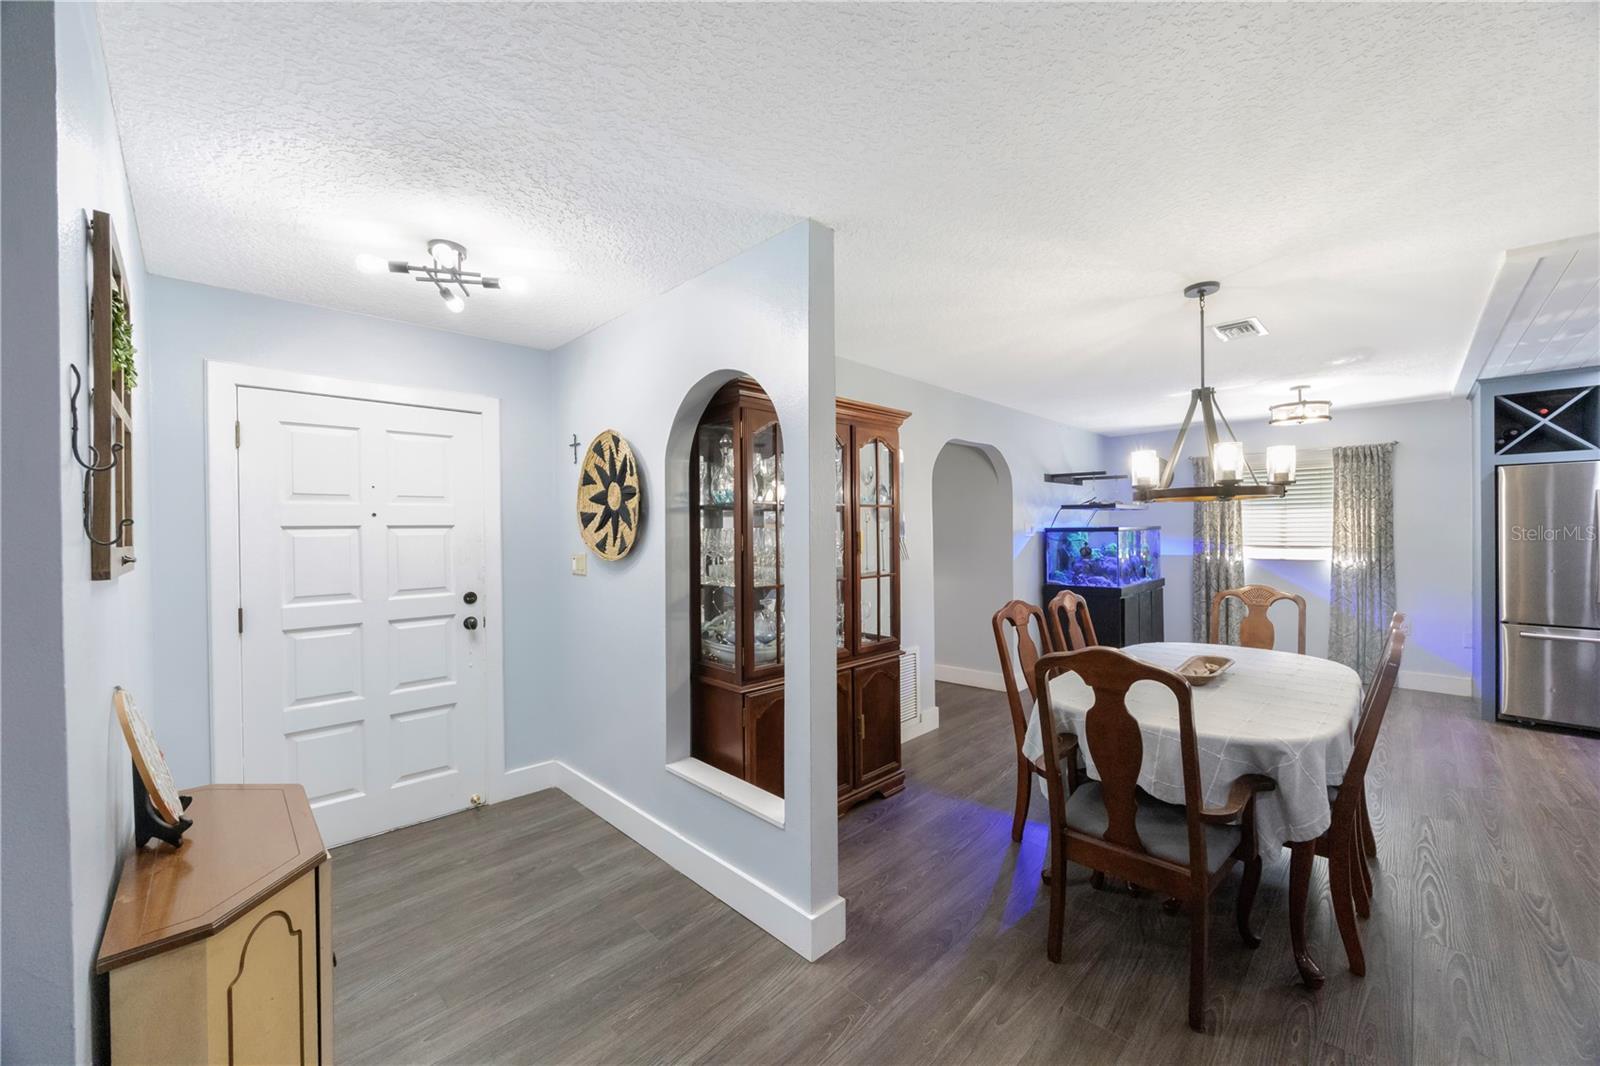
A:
1231, 473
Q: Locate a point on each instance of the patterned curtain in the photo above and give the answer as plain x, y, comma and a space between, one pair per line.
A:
1362, 596
1218, 559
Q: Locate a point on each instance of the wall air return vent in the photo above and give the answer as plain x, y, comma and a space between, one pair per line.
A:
1245, 327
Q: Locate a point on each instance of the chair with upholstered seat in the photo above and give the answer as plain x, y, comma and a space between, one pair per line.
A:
1071, 628
1255, 629
1024, 621
1113, 827
1342, 844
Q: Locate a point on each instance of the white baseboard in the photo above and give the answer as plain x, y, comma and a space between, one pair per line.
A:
961, 675
809, 934
523, 780
925, 722
1445, 684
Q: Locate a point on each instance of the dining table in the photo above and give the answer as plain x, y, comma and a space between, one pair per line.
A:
1290, 717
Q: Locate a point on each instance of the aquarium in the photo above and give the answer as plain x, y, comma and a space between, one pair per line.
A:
1109, 556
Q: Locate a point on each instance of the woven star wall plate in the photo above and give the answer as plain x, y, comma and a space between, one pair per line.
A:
610, 500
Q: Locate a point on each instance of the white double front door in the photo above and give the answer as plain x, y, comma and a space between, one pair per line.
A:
361, 551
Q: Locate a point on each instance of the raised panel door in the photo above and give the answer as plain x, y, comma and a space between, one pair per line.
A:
847, 732
716, 730
263, 982
763, 739
361, 527
877, 711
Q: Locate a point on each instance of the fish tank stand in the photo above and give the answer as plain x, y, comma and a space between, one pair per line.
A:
1129, 614
1117, 571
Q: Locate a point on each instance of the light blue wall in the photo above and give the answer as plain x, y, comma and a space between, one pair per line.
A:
621, 694
82, 637
191, 324
1028, 446
971, 555
39, 988
1433, 529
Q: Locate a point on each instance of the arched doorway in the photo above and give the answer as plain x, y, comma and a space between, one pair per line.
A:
972, 566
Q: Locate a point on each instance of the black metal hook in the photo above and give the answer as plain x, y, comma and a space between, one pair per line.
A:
88, 515
92, 464
91, 467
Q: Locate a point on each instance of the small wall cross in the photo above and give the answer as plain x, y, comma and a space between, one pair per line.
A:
575, 446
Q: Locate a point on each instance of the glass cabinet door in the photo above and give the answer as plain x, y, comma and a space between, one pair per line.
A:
764, 486
841, 535
718, 551
875, 477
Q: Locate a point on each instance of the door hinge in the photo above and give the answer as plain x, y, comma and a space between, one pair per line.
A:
236, 433
241, 619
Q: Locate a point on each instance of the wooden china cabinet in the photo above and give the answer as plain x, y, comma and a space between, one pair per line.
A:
866, 497
737, 592
736, 519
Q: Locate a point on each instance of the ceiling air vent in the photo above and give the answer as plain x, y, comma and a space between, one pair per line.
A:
1245, 327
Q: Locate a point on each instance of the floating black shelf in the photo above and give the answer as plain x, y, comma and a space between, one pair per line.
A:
1078, 477
1110, 505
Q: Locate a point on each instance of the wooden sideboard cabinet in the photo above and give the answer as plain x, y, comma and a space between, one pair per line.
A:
220, 951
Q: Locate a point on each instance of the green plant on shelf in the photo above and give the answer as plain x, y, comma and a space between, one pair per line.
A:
122, 349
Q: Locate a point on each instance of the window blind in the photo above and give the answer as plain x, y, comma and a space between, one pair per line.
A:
1299, 522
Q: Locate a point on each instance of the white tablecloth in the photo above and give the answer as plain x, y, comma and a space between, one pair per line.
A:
1291, 717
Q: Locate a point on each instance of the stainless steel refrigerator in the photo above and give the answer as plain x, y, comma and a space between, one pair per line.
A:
1549, 564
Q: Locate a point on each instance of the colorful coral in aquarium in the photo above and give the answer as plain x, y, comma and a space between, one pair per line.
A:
1108, 556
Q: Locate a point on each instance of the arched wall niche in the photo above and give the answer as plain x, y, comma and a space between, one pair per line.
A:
972, 554
675, 529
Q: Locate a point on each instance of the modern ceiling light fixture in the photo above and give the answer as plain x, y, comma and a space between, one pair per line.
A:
445, 271
1299, 411
1152, 478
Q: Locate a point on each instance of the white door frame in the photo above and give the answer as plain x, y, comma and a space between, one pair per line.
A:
223, 380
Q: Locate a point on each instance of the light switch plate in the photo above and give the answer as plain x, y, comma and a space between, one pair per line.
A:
580, 565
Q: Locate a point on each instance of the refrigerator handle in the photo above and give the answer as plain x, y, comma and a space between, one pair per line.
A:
1562, 637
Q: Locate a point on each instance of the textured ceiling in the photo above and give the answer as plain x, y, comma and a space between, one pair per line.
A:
1020, 193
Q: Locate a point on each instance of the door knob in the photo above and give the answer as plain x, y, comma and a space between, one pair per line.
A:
469, 622
470, 598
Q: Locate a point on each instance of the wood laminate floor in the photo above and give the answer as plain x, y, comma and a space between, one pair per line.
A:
531, 931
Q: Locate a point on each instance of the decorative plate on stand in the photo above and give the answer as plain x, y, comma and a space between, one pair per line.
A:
147, 757
610, 500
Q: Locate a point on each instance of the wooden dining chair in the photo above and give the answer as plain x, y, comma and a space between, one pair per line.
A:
1025, 620
1255, 630
1112, 827
1341, 843
1369, 842
1071, 628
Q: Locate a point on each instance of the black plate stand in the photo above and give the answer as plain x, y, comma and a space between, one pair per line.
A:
147, 824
